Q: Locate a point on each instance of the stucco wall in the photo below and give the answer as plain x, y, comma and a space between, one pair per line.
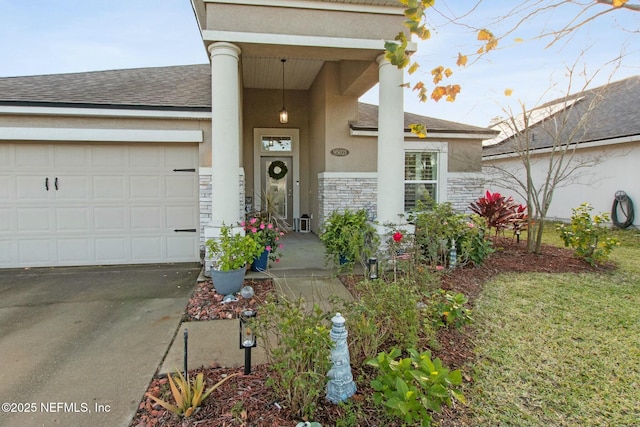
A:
302, 21
596, 185
260, 109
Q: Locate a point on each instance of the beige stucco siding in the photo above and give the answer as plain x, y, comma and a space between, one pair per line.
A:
305, 22
465, 155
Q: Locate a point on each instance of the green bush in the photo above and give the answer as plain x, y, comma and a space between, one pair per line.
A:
438, 226
298, 348
413, 387
588, 235
349, 237
449, 309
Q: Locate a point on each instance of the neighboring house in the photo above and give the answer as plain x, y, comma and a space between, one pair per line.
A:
141, 165
608, 144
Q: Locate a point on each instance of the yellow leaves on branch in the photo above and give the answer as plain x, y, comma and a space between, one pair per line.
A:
618, 3
508, 92
488, 37
418, 129
462, 60
438, 73
448, 91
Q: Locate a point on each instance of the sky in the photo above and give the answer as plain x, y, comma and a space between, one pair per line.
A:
64, 36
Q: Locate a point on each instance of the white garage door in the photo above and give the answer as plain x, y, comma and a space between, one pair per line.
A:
84, 204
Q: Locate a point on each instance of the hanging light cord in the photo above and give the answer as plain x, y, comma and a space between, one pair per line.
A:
283, 61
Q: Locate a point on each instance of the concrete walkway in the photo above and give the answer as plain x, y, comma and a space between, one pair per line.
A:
300, 273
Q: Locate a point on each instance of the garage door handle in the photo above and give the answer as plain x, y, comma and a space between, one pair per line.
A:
46, 183
184, 170
185, 230
55, 183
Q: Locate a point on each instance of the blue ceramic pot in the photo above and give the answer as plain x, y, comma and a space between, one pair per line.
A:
228, 282
260, 264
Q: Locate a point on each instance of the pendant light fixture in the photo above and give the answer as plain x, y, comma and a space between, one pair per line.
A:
284, 115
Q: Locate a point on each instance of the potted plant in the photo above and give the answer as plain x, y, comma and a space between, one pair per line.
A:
348, 237
231, 253
268, 235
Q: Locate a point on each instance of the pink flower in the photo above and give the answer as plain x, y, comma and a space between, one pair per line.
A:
397, 236
253, 221
254, 230
242, 224
281, 233
261, 226
277, 259
280, 246
439, 268
270, 226
268, 248
470, 225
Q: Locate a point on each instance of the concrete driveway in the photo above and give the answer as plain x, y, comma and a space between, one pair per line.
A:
78, 346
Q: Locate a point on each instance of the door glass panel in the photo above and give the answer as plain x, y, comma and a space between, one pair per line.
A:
276, 143
276, 191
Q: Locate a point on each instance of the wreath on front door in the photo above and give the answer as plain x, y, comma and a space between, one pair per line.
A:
277, 170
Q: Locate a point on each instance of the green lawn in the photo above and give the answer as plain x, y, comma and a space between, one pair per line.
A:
560, 349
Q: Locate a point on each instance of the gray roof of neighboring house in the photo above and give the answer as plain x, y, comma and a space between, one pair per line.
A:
182, 87
614, 113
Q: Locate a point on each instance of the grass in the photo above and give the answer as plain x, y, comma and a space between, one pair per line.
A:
560, 349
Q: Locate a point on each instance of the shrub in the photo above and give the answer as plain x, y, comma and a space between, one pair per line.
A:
587, 235
439, 227
348, 238
500, 212
449, 309
412, 387
298, 348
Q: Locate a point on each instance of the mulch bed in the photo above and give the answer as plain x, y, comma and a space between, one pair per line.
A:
206, 304
247, 401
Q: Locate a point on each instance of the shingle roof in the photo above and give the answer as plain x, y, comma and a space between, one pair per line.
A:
183, 87
179, 87
616, 114
368, 119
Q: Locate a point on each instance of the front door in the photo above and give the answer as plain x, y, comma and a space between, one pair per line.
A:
277, 187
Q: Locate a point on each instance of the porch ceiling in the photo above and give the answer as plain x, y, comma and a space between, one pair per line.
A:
266, 72
366, 2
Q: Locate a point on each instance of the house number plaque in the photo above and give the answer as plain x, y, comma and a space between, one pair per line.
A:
340, 152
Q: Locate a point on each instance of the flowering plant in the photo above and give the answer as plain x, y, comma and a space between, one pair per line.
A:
266, 233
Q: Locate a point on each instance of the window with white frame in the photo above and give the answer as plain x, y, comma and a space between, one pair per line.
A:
420, 177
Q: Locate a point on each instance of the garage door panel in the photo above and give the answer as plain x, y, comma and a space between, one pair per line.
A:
181, 247
6, 156
181, 157
34, 220
31, 188
111, 157
145, 187
30, 156
110, 219
6, 220
147, 218
7, 252
146, 248
111, 250
181, 187
75, 188
71, 157
73, 220
74, 251
35, 252
6, 189
181, 217
147, 157
107, 188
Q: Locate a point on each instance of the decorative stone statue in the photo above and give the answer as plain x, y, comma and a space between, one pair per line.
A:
341, 385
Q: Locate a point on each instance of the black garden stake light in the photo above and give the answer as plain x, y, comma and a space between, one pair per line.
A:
247, 337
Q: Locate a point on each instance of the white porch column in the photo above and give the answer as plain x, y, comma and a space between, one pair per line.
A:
225, 134
390, 143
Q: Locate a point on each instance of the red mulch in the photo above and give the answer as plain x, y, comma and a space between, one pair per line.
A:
206, 304
246, 400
